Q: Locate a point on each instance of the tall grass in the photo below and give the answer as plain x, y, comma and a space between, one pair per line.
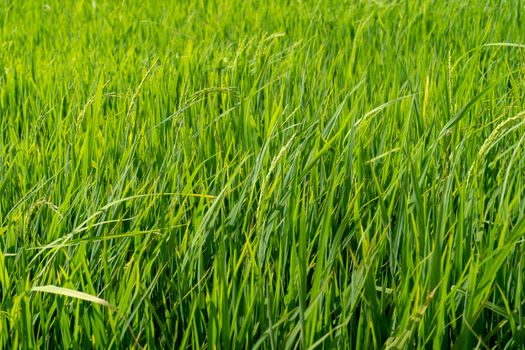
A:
262, 174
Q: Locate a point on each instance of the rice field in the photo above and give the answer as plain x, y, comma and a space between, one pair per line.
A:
231, 174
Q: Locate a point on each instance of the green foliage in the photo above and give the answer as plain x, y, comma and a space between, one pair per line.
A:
262, 174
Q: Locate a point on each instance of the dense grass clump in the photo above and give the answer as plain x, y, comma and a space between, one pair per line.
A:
262, 174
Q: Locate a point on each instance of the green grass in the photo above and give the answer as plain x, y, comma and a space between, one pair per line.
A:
262, 174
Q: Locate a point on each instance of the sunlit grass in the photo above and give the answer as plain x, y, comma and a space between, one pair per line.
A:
262, 174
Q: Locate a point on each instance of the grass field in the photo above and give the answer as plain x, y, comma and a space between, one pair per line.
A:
262, 174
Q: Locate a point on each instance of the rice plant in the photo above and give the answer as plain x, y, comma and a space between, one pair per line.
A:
231, 174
